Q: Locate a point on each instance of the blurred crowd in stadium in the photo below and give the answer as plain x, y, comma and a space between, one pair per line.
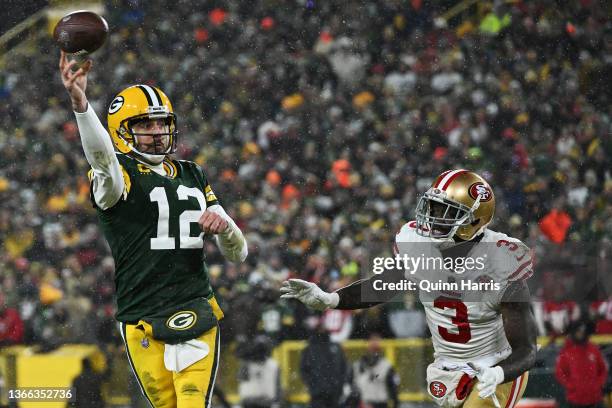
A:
317, 123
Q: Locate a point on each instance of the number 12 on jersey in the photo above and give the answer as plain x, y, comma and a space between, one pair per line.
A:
163, 240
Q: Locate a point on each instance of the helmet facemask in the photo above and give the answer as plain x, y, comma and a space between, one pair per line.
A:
439, 218
161, 144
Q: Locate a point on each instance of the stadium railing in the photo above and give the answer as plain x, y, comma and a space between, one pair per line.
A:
22, 366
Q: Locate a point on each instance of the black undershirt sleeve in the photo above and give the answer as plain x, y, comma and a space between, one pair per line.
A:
362, 295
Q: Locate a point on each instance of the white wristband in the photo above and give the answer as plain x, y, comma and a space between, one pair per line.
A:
334, 299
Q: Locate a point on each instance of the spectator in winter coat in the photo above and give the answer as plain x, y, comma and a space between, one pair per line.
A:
324, 370
87, 391
375, 377
11, 325
259, 374
581, 369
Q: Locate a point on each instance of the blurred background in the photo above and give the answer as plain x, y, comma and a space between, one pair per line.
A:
318, 123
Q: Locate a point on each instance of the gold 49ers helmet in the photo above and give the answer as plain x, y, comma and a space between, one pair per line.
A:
135, 104
459, 204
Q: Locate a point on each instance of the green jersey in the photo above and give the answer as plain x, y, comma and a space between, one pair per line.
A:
155, 238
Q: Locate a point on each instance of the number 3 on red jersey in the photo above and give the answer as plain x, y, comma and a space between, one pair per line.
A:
460, 320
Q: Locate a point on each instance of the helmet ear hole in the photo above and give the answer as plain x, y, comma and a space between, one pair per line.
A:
476, 221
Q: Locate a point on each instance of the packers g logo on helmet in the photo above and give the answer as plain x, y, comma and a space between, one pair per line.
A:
182, 320
137, 103
115, 105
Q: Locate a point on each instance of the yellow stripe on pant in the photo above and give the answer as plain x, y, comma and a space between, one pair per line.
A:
189, 388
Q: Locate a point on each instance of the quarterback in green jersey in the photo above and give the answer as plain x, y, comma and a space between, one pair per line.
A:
154, 211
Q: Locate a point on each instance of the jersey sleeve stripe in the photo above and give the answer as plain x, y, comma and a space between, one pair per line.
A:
520, 269
525, 276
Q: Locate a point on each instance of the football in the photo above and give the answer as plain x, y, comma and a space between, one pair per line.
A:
80, 32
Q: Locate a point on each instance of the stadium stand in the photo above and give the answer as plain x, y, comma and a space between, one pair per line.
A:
319, 122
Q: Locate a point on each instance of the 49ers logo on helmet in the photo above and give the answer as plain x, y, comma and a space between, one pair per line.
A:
482, 190
437, 389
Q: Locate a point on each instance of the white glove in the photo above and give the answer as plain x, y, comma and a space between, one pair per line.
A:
309, 294
488, 380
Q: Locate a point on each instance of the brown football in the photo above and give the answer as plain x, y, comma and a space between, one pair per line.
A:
80, 32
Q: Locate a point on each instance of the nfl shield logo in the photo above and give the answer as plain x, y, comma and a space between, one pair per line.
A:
145, 343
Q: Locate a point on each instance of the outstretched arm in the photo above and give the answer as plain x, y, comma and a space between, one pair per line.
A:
107, 179
361, 294
358, 295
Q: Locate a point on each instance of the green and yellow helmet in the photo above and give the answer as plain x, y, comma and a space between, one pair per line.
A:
134, 104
